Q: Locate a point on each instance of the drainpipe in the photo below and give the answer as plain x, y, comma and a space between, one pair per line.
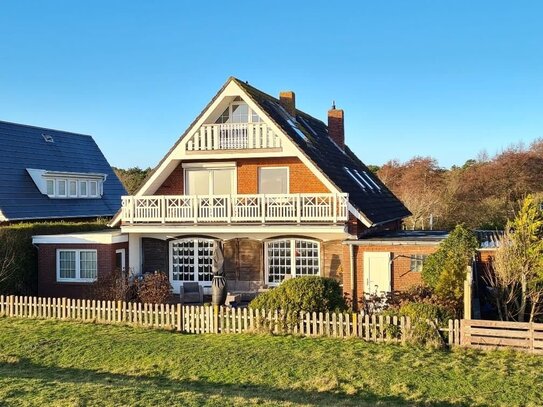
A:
352, 269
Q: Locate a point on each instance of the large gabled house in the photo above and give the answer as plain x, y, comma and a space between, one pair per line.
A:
275, 188
50, 175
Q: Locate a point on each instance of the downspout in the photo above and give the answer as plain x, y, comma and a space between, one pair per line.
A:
353, 279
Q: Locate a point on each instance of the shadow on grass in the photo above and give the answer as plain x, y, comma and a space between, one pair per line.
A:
52, 375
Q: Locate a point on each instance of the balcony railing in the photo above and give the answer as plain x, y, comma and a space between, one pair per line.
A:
233, 136
279, 208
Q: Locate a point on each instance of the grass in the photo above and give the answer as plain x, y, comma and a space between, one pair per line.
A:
66, 363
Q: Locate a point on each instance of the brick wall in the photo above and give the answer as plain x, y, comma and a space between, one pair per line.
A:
302, 180
174, 184
47, 268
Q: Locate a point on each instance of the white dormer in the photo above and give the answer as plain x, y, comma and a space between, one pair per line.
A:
68, 185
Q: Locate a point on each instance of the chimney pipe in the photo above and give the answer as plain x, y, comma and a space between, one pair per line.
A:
336, 129
287, 99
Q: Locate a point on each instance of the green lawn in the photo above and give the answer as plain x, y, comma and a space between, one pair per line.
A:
64, 363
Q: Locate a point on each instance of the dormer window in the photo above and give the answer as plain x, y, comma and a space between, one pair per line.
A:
68, 185
238, 112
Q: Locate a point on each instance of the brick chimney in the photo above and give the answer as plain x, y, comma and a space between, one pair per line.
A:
336, 129
288, 101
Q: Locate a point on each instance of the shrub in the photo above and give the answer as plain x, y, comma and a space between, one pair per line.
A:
445, 270
21, 276
425, 321
154, 288
114, 286
308, 294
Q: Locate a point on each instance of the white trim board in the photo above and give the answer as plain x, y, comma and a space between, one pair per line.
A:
107, 237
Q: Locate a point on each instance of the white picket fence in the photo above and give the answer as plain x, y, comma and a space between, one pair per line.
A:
203, 319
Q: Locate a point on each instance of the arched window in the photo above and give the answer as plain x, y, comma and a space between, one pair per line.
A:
286, 258
191, 259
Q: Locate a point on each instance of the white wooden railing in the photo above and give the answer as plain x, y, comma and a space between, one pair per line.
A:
233, 136
290, 208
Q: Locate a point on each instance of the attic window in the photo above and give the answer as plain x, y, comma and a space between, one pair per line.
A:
363, 179
238, 112
297, 130
48, 138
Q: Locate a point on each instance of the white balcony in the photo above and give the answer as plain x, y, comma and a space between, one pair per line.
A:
233, 136
191, 209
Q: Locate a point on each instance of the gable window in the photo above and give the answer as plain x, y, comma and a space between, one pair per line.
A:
77, 265
287, 258
417, 261
273, 180
191, 260
238, 112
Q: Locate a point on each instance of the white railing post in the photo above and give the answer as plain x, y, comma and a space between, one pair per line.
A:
163, 208
335, 208
263, 208
299, 208
195, 208
229, 208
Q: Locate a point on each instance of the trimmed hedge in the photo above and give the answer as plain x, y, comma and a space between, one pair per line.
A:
309, 294
21, 275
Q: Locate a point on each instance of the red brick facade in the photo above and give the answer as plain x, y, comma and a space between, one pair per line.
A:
301, 179
47, 268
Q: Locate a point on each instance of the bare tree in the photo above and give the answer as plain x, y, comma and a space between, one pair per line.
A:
7, 258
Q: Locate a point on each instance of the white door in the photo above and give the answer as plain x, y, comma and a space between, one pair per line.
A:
377, 277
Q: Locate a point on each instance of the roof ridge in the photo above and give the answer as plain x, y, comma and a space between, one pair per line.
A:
44, 128
298, 111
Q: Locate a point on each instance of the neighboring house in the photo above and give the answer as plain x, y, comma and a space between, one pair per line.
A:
54, 175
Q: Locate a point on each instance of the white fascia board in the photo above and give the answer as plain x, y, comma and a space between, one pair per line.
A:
228, 164
359, 215
82, 238
253, 232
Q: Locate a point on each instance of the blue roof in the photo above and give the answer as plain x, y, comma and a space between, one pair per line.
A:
23, 147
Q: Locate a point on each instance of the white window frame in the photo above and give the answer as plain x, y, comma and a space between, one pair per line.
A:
70, 183
122, 252
177, 283
292, 273
274, 168
89, 193
58, 181
86, 194
209, 167
77, 278
54, 183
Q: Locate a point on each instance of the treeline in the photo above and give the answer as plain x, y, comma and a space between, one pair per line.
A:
482, 194
132, 178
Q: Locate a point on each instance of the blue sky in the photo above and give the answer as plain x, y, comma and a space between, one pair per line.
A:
446, 79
